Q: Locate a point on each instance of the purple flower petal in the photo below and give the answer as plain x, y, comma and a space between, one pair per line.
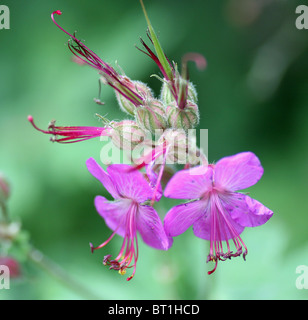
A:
246, 211
99, 173
129, 182
113, 212
181, 217
151, 228
190, 184
238, 172
153, 176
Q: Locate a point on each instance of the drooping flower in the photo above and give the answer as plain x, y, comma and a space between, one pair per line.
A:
130, 94
217, 212
125, 134
128, 214
72, 133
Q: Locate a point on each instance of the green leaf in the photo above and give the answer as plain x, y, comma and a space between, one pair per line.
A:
159, 51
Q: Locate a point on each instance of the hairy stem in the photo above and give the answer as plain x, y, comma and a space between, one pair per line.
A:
60, 274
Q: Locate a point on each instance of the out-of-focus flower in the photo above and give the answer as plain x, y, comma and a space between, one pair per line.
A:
12, 264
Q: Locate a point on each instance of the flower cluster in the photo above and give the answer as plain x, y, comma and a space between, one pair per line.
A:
161, 128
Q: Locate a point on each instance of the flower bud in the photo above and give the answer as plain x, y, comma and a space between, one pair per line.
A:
128, 91
187, 118
127, 134
192, 93
166, 94
177, 144
151, 116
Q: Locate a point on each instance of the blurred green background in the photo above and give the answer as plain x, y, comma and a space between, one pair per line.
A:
252, 96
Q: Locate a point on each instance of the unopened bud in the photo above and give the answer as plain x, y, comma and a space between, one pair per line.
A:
177, 144
192, 93
127, 134
166, 93
187, 118
151, 116
129, 93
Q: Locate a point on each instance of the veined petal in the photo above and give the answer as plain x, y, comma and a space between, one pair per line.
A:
129, 182
113, 212
151, 228
181, 217
190, 184
222, 230
99, 173
238, 172
246, 211
153, 177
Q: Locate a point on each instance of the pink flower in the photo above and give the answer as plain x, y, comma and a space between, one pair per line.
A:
217, 212
12, 264
134, 92
128, 214
73, 133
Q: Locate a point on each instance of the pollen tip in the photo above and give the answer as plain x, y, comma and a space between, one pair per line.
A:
91, 247
30, 118
212, 271
129, 278
58, 12
122, 272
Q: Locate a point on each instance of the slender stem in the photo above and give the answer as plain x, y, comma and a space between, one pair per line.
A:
4, 212
60, 274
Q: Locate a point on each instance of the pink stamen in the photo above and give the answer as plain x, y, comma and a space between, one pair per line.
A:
85, 55
151, 156
221, 227
129, 249
160, 175
216, 262
152, 55
72, 134
59, 13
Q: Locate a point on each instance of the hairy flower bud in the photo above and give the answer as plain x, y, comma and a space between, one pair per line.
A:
187, 118
127, 134
151, 116
177, 145
167, 96
126, 95
192, 93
